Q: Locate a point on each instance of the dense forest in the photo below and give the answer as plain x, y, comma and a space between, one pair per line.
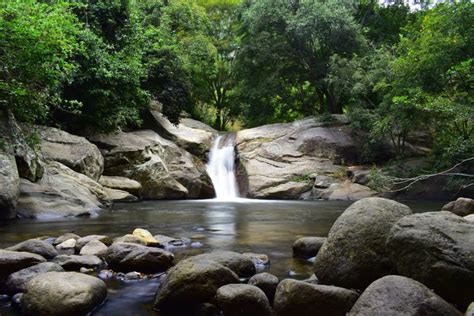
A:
95, 65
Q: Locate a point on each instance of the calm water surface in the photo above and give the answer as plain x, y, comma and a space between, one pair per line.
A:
268, 227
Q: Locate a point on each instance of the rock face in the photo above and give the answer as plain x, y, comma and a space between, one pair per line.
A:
194, 136
301, 298
164, 170
16, 282
397, 295
36, 246
242, 299
307, 247
240, 264
267, 283
10, 186
126, 257
460, 207
191, 283
63, 293
436, 249
73, 151
354, 254
61, 192
282, 160
12, 261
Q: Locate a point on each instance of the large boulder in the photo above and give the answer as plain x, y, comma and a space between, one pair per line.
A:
12, 261
267, 283
242, 299
164, 170
37, 246
75, 262
461, 207
354, 254
397, 295
16, 282
61, 192
308, 247
282, 160
194, 136
10, 186
301, 298
73, 151
242, 265
127, 257
191, 283
436, 249
63, 293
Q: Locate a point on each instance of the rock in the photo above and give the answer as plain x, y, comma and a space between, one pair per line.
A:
282, 160
267, 283
121, 183
10, 184
397, 295
164, 170
436, 249
126, 257
354, 254
16, 282
81, 242
469, 218
63, 293
242, 299
67, 247
345, 190
191, 283
470, 310
94, 248
12, 261
129, 238
193, 136
170, 242
16, 301
259, 259
120, 196
36, 246
65, 237
73, 151
61, 192
307, 247
240, 264
301, 298
75, 263
146, 236
460, 207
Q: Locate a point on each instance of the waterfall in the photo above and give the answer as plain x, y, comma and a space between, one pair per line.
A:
221, 168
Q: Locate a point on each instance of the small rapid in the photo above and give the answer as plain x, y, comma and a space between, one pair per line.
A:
221, 168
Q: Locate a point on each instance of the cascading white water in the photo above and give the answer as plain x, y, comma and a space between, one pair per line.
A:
221, 168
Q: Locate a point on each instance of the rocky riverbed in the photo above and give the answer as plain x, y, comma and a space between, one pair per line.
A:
419, 263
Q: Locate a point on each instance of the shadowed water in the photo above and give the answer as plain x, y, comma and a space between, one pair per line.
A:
268, 227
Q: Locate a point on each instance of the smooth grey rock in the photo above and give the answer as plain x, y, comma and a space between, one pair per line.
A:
12, 261
10, 186
132, 239
120, 196
307, 247
127, 257
240, 264
242, 299
16, 282
73, 151
191, 283
436, 249
75, 263
396, 295
461, 207
37, 246
94, 248
82, 241
63, 293
354, 254
67, 247
65, 237
267, 283
121, 183
301, 298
